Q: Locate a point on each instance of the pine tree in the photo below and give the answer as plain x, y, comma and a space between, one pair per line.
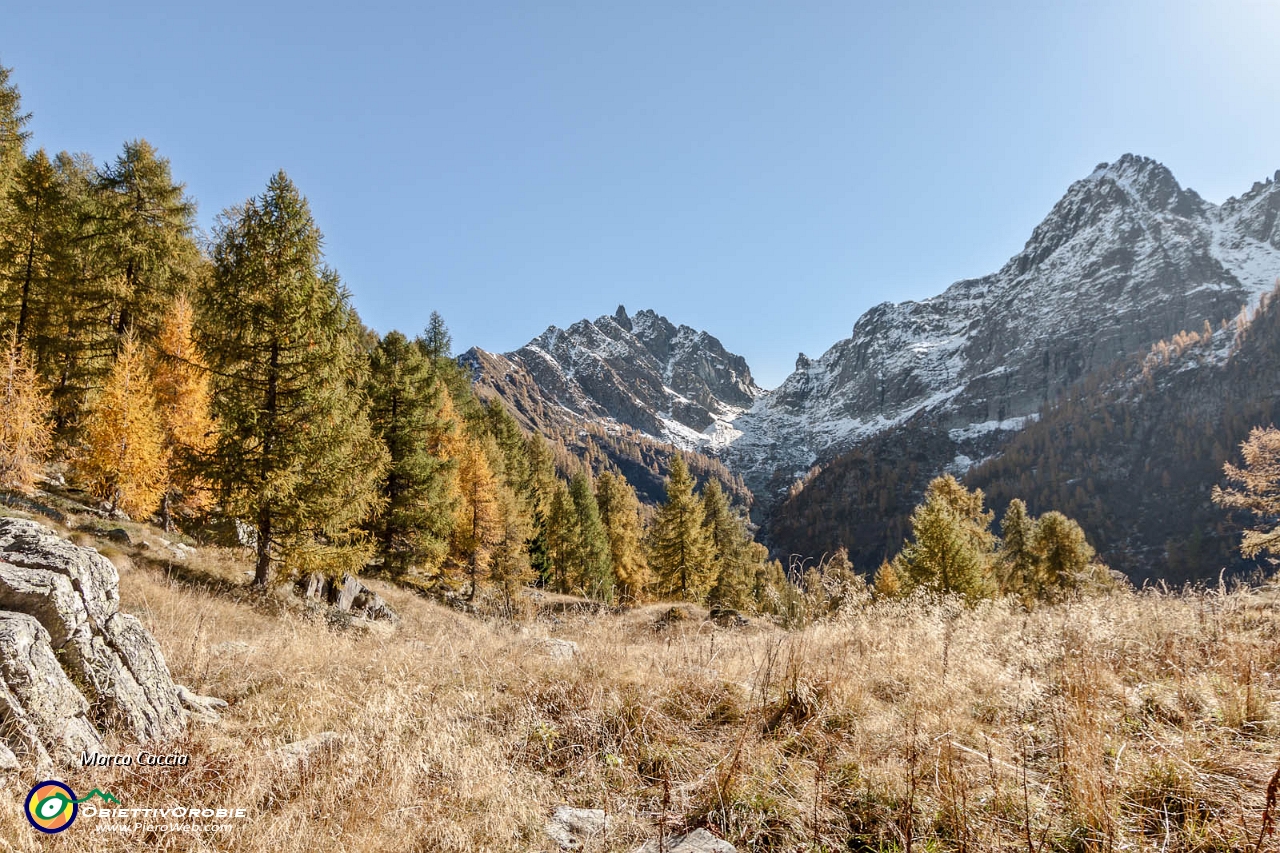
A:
13, 133
679, 550
1257, 489
480, 524
952, 546
32, 241
124, 460
562, 536
592, 567
541, 490
1019, 564
409, 411
295, 456
620, 514
886, 583
25, 428
77, 346
436, 342
510, 568
729, 539
181, 385
1062, 552
145, 227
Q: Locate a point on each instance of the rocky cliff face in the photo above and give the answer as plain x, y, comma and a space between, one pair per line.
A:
671, 382
1127, 257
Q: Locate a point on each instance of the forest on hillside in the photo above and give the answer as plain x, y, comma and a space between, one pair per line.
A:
191, 380
198, 380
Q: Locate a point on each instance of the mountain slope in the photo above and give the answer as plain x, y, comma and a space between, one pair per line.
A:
1135, 458
839, 453
1127, 257
631, 386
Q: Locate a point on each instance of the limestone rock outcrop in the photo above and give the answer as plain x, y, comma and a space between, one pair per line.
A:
70, 661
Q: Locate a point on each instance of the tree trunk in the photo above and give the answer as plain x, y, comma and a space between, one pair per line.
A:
262, 570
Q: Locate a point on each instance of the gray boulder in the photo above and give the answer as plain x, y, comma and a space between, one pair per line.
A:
569, 828
74, 593
347, 596
698, 841
71, 661
43, 716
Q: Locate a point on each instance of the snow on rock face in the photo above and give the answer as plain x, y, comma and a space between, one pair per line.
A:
1125, 258
671, 382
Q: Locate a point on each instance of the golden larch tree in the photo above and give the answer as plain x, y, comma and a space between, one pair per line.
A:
480, 525
25, 425
181, 385
1256, 487
123, 461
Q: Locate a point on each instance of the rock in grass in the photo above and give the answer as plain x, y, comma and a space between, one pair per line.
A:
347, 595
202, 709
45, 718
293, 762
73, 592
119, 535
557, 649
570, 828
698, 841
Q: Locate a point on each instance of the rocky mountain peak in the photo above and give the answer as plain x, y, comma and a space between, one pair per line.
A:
673, 383
1126, 257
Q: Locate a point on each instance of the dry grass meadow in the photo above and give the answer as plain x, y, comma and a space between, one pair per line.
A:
1136, 721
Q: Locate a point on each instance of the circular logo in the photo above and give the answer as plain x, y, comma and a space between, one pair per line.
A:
51, 807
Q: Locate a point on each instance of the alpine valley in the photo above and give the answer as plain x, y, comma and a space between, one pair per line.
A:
1121, 356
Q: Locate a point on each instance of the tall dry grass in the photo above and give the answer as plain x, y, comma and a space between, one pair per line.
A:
1138, 721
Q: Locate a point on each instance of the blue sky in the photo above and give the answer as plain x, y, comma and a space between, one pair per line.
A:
766, 171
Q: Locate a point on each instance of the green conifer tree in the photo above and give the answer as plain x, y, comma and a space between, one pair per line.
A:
436, 342
562, 536
620, 514
32, 242
1062, 552
730, 548
13, 132
406, 405
592, 569
76, 344
679, 549
145, 228
295, 457
541, 489
1019, 563
952, 544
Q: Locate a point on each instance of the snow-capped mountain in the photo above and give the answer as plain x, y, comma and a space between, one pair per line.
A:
1126, 258
673, 383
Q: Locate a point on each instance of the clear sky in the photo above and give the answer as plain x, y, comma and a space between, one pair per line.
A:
766, 171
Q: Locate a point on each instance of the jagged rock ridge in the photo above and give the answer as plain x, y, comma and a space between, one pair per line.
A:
1126, 258
671, 382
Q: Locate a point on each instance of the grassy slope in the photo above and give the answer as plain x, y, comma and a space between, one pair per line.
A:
1140, 720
